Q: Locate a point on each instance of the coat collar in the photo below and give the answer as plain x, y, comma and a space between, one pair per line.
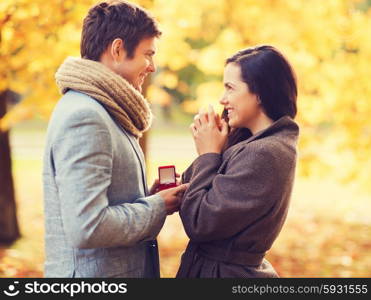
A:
285, 127
282, 127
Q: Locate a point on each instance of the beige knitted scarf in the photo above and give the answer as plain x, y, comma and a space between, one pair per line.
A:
125, 104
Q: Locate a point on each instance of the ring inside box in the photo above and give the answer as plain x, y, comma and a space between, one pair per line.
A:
167, 177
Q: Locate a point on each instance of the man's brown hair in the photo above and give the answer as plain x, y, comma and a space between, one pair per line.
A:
109, 20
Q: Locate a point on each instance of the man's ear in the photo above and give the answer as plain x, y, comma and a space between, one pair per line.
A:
117, 49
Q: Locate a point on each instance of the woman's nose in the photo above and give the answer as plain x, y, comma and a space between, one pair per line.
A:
223, 101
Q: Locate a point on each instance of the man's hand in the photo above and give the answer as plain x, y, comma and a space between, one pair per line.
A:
173, 197
155, 186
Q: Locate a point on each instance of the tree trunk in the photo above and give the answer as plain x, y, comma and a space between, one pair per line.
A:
9, 230
144, 139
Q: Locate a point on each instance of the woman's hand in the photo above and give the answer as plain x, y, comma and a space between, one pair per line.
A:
209, 132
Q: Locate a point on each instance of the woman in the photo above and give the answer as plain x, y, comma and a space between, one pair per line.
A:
240, 184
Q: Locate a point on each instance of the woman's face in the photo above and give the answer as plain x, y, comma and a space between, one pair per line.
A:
242, 105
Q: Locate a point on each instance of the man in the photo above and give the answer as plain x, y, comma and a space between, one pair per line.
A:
100, 220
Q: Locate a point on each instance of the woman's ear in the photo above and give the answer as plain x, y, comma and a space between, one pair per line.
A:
258, 100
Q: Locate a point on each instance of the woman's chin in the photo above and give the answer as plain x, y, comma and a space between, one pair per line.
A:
232, 124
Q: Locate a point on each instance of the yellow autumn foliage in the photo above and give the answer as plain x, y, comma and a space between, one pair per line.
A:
327, 42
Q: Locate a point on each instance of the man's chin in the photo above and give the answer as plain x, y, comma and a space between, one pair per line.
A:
138, 87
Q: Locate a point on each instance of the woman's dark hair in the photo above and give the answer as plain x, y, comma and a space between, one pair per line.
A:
268, 75
109, 20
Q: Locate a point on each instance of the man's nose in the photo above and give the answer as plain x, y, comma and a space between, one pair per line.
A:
151, 68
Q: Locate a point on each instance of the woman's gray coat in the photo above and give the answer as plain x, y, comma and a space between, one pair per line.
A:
237, 203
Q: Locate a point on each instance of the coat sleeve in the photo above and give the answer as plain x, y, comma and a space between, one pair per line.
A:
187, 174
82, 156
217, 206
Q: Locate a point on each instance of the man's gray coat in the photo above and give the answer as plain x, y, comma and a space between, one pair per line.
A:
99, 220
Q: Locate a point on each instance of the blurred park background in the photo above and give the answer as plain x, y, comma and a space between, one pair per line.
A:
328, 229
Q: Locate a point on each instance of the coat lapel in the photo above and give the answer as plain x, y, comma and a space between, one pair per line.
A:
140, 155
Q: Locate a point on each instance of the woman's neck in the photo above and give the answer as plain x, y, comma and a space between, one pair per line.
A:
260, 123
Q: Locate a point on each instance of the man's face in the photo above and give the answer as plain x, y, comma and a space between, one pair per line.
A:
135, 69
